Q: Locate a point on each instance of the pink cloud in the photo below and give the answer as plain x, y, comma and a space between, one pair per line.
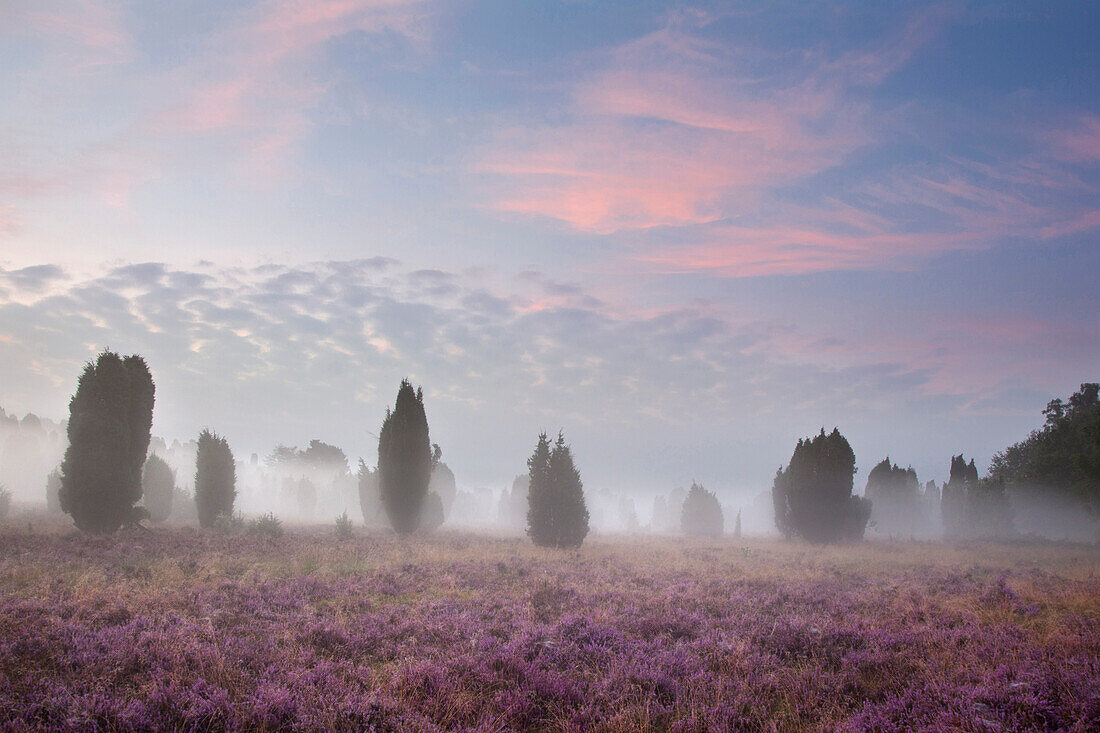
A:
85, 32
257, 80
1081, 142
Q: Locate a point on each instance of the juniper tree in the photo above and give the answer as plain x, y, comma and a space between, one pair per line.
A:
215, 479
556, 514
540, 504
701, 515
110, 418
571, 514
954, 496
404, 459
895, 493
158, 482
813, 496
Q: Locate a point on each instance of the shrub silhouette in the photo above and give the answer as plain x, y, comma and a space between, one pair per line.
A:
110, 418
158, 482
701, 515
215, 479
813, 495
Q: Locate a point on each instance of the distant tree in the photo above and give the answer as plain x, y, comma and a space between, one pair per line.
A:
158, 483
405, 459
433, 513
540, 502
813, 496
215, 479
513, 503
556, 515
628, 514
781, 505
323, 455
110, 418
953, 497
306, 494
442, 481
737, 526
1062, 459
53, 492
701, 515
5, 501
370, 498
988, 512
659, 520
895, 495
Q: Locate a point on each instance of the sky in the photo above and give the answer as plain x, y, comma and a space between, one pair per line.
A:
685, 234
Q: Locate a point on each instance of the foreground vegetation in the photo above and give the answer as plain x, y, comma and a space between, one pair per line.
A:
182, 629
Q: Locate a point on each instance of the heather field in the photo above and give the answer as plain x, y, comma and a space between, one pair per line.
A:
184, 630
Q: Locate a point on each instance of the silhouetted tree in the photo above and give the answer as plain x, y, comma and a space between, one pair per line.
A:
701, 515
513, 503
110, 417
556, 514
405, 459
53, 492
737, 526
815, 498
953, 497
1062, 459
540, 503
215, 479
5, 501
433, 513
370, 497
988, 512
781, 506
895, 495
158, 483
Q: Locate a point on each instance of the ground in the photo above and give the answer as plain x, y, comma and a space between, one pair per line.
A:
181, 629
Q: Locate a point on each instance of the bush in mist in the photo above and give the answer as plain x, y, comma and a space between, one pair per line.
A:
963, 475
5, 502
813, 495
433, 515
737, 526
1062, 458
53, 492
556, 513
183, 506
110, 417
404, 459
266, 525
370, 498
215, 479
701, 515
344, 529
895, 495
158, 484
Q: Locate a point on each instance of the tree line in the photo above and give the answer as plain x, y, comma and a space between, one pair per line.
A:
105, 473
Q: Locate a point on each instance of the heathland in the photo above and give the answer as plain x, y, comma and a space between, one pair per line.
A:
180, 629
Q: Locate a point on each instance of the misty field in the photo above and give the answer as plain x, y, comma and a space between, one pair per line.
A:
185, 630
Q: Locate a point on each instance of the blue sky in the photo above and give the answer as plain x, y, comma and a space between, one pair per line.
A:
687, 234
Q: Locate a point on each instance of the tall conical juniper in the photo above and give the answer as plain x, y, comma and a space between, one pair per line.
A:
556, 515
405, 459
110, 418
215, 478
